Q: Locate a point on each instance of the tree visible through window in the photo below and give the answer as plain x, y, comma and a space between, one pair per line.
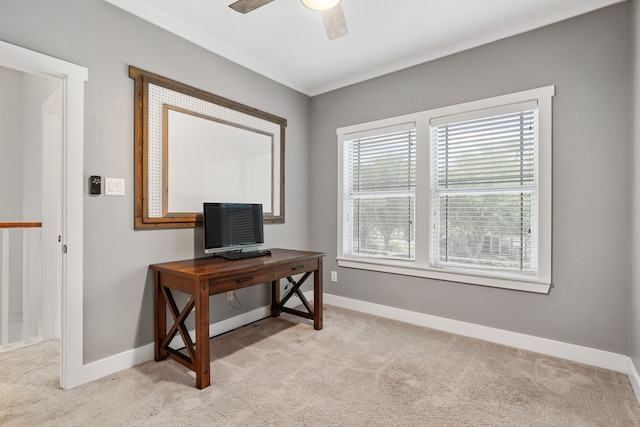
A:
380, 195
484, 188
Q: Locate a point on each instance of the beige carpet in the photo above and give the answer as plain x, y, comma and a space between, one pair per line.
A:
359, 371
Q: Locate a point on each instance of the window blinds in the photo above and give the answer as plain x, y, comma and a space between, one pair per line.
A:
484, 192
379, 194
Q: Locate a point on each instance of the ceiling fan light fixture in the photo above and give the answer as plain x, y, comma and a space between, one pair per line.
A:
320, 5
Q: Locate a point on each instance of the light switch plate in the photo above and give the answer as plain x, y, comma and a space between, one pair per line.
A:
113, 186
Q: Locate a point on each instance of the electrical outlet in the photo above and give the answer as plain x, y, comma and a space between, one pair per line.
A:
334, 276
230, 295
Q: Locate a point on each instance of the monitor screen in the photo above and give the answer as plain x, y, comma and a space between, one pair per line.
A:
232, 226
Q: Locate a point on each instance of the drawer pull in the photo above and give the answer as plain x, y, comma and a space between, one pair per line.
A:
297, 268
244, 279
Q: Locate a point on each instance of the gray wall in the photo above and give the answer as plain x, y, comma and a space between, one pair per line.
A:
587, 58
635, 190
35, 91
10, 145
92, 33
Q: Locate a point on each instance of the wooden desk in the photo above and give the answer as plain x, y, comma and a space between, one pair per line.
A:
203, 277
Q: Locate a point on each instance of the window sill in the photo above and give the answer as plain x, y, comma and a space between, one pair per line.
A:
473, 278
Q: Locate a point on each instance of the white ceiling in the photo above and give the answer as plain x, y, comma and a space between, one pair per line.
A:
287, 42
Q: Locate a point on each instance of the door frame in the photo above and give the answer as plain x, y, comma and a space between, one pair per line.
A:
73, 79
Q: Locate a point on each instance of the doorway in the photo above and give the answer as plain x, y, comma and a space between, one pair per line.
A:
60, 119
30, 140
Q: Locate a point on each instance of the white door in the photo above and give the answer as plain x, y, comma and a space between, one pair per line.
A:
52, 118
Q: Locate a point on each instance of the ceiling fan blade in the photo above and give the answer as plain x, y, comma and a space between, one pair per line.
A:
335, 22
246, 6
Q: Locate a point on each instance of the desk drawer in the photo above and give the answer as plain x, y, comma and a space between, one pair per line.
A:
231, 283
296, 268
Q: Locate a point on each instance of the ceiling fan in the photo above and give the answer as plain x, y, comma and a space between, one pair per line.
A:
332, 14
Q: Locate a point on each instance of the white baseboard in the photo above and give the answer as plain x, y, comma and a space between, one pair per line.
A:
116, 363
576, 353
634, 379
128, 359
589, 356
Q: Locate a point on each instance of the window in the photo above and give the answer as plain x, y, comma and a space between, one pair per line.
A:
379, 193
460, 193
484, 191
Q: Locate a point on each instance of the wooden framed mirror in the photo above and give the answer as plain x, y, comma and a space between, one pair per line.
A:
192, 146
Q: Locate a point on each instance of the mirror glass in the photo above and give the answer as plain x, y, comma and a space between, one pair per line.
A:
236, 156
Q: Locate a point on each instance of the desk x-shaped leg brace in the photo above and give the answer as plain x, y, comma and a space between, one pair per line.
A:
278, 307
178, 326
164, 339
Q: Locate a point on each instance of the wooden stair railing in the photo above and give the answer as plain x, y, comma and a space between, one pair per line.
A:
20, 224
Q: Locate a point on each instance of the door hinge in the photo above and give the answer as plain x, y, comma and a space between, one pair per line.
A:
64, 249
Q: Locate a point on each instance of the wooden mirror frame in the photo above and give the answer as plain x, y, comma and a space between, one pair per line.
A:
146, 183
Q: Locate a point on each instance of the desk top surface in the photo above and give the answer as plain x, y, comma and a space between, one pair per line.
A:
216, 266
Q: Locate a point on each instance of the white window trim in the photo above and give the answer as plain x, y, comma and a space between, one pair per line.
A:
540, 283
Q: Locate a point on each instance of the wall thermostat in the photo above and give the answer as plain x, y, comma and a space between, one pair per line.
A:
95, 184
